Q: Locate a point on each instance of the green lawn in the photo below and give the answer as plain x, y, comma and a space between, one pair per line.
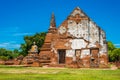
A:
38, 73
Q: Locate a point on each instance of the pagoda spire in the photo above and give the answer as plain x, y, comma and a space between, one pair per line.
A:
52, 22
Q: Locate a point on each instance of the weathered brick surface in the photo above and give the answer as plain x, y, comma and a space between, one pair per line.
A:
9, 62
62, 39
2, 62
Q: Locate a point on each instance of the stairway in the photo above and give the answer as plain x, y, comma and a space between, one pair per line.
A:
44, 60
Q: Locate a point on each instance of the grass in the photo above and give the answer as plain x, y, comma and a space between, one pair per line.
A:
38, 73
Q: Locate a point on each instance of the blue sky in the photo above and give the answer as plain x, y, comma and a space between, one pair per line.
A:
27, 17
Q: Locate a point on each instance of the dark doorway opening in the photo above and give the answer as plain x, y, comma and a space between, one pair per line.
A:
94, 62
61, 56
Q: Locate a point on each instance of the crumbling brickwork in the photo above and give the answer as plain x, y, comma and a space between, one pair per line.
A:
77, 42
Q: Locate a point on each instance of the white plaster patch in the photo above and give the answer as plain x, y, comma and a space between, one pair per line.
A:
52, 48
102, 35
91, 45
85, 52
66, 44
62, 29
94, 32
78, 44
77, 12
103, 49
70, 53
79, 30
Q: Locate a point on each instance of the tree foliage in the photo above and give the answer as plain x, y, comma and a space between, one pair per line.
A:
114, 53
8, 54
38, 38
25, 47
111, 47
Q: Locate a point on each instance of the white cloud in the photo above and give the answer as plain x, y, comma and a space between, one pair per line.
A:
9, 29
117, 45
10, 45
13, 31
22, 34
4, 44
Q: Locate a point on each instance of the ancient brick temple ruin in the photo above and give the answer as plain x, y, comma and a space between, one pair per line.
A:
77, 42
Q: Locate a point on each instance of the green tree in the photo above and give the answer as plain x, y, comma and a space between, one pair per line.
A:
115, 55
38, 38
5, 54
113, 52
111, 46
15, 53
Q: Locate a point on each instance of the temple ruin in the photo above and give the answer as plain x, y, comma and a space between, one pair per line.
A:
77, 42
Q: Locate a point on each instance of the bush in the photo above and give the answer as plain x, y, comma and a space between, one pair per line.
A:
4, 58
8, 54
114, 53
